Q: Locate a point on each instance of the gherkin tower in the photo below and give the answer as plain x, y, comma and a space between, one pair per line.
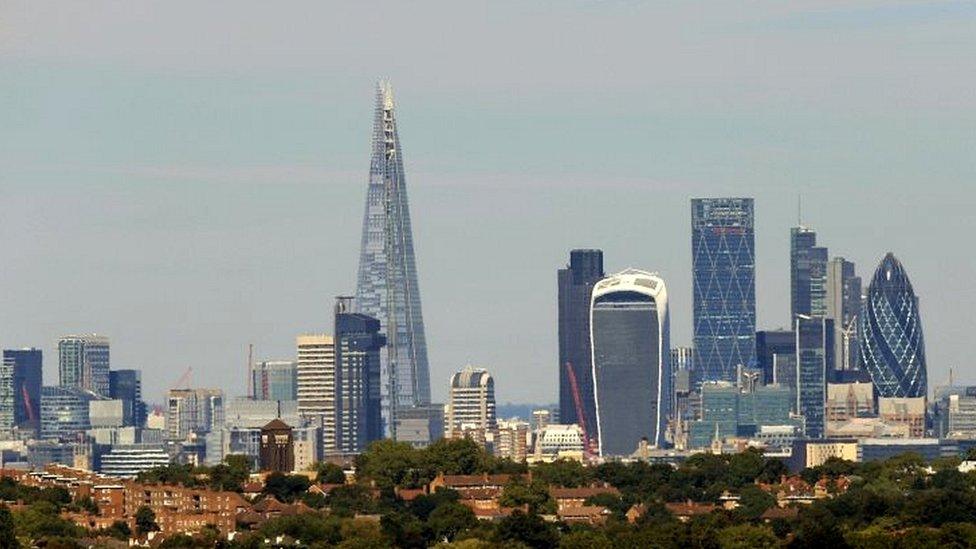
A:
892, 346
386, 287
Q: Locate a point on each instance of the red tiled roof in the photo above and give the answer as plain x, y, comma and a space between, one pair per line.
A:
583, 511
690, 508
582, 492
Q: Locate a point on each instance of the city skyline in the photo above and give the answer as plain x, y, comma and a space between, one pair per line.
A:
216, 235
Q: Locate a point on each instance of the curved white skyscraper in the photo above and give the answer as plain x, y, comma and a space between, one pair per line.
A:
386, 287
630, 341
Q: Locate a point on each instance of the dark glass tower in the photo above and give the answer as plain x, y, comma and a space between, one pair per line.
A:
808, 274
126, 385
843, 305
771, 344
814, 359
357, 378
24, 367
631, 361
387, 287
723, 253
892, 347
575, 286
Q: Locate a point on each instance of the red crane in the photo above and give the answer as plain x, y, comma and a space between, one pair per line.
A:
27, 402
588, 443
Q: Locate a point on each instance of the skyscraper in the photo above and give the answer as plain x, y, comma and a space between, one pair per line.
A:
197, 411
771, 344
891, 342
275, 380
575, 285
630, 338
387, 287
814, 359
470, 411
843, 305
126, 385
23, 369
316, 383
357, 378
83, 363
723, 253
808, 274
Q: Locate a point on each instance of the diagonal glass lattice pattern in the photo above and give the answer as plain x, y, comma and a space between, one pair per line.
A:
723, 264
387, 286
892, 347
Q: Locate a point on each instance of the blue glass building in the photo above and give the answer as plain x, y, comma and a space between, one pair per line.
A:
387, 287
814, 359
892, 347
20, 389
808, 274
575, 284
723, 267
629, 327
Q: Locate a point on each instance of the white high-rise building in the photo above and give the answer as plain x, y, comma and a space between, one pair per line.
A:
316, 384
471, 408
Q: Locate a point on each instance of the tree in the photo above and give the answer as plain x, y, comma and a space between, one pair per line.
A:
145, 521
423, 505
518, 493
449, 520
8, 536
460, 456
562, 472
119, 530
585, 539
330, 473
350, 499
286, 487
529, 529
404, 530
747, 536
389, 464
753, 502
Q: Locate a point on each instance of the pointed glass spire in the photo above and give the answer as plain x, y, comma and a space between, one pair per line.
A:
386, 286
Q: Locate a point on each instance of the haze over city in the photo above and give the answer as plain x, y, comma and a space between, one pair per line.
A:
187, 185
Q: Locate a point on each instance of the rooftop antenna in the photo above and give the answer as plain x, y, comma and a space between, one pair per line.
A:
250, 370
799, 209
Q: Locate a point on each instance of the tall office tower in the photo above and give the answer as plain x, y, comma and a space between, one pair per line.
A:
83, 362
470, 410
891, 343
808, 274
814, 358
20, 390
630, 336
843, 305
683, 383
386, 286
723, 253
126, 385
275, 380
193, 411
769, 344
316, 384
358, 343
64, 412
575, 286
892, 347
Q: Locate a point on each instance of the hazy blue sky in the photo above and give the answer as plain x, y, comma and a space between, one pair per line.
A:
189, 177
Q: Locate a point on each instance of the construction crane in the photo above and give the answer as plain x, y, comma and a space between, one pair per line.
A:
184, 381
588, 443
27, 402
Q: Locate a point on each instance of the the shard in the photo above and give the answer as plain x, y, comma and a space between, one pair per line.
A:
386, 286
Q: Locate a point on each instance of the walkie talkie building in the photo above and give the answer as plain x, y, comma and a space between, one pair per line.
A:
387, 286
892, 347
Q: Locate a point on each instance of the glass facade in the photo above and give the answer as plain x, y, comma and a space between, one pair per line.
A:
575, 286
357, 385
843, 305
724, 279
770, 343
20, 389
126, 385
83, 363
808, 274
814, 358
892, 347
387, 287
631, 361
275, 380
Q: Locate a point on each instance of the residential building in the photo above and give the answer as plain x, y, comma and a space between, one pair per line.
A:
20, 390
808, 274
275, 380
575, 283
511, 440
843, 305
891, 342
630, 338
471, 407
387, 287
316, 383
358, 419
814, 359
83, 363
126, 385
724, 286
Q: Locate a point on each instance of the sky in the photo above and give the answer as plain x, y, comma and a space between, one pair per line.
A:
188, 178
